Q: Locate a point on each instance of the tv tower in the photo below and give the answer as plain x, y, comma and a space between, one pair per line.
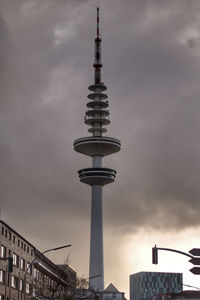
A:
97, 146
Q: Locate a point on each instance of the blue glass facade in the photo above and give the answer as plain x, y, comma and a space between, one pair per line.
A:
145, 285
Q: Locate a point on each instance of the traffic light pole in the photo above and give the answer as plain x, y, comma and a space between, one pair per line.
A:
194, 257
155, 253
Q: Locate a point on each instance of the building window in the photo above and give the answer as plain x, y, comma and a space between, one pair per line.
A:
32, 252
6, 233
10, 236
14, 282
2, 276
3, 251
28, 288
21, 285
27, 249
40, 277
24, 247
22, 264
34, 293
2, 230
53, 284
48, 280
114, 295
18, 243
14, 239
15, 260
28, 268
2, 297
34, 273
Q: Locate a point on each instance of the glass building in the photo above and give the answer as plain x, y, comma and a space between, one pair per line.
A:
145, 285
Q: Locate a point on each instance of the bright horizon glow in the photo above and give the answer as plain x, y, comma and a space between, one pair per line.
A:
137, 256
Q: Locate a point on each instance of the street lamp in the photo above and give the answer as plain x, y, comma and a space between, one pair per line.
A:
55, 249
192, 286
35, 258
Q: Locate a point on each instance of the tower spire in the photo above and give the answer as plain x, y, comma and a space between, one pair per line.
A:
97, 21
97, 146
97, 62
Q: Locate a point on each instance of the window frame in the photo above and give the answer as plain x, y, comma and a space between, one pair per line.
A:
22, 264
15, 259
2, 276
28, 288
29, 268
14, 282
3, 251
21, 285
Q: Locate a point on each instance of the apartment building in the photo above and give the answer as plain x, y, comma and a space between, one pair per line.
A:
34, 276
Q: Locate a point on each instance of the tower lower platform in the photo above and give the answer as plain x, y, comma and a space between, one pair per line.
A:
97, 176
92, 146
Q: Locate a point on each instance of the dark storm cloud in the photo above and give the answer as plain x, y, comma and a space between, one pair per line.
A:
151, 67
160, 104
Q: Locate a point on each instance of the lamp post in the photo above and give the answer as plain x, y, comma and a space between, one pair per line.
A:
49, 250
35, 258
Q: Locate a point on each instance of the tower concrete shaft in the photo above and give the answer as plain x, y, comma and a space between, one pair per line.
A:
97, 146
96, 240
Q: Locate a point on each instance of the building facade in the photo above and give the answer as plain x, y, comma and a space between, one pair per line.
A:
189, 295
146, 285
34, 276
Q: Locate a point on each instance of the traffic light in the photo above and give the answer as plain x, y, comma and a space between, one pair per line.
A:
10, 264
155, 255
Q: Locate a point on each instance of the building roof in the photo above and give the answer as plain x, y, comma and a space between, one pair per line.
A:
151, 272
192, 294
111, 289
15, 232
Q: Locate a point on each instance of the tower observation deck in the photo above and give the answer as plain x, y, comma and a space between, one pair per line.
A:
97, 146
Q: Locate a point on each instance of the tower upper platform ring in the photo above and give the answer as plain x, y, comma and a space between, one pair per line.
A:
96, 86
92, 145
97, 96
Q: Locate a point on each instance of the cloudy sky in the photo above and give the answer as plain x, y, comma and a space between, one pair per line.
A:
151, 59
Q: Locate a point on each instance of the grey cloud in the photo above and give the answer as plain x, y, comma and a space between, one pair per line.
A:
152, 79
